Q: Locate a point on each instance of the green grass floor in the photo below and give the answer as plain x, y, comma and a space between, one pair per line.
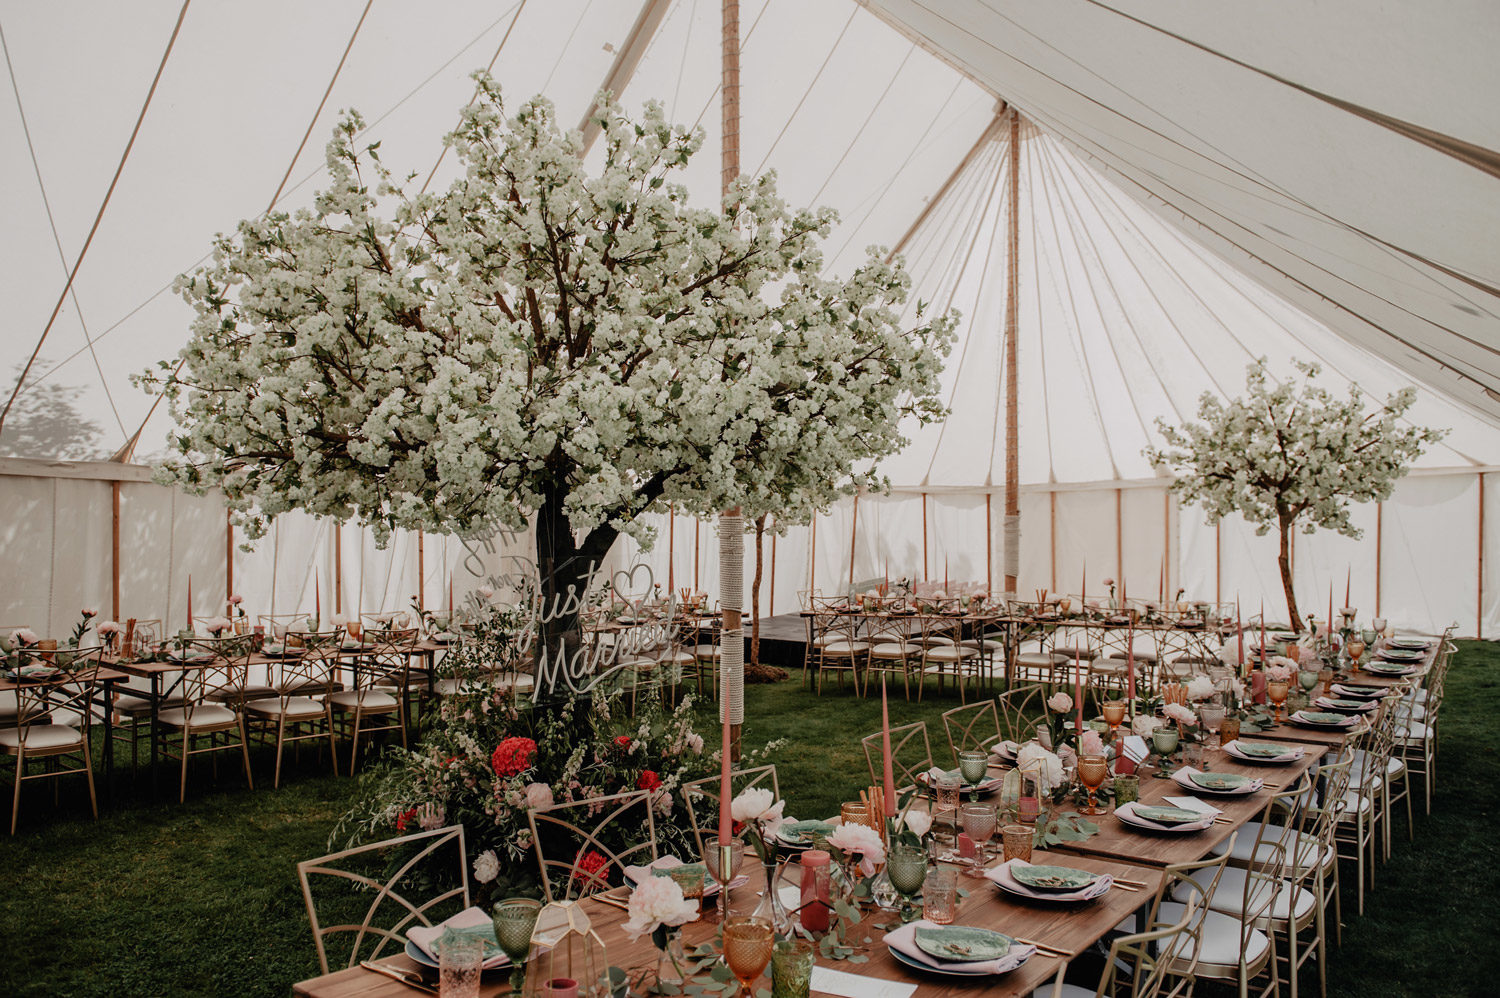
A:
161, 898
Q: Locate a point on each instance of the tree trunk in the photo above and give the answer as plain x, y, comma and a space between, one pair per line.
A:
760, 533
1285, 560
565, 568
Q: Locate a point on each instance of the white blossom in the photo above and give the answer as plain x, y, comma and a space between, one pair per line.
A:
655, 902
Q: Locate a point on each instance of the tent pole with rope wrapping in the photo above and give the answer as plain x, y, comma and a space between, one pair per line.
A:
731, 522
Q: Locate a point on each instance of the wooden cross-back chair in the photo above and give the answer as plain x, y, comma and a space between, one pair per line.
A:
620, 829
911, 754
215, 673
297, 709
1021, 709
52, 725
702, 797
837, 647
972, 726
388, 913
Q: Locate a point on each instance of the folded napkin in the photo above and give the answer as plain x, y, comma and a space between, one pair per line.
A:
1183, 778
1131, 818
1005, 751
1001, 875
471, 921
639, 874
904, 940
1233, 748
1345, 721
1327, 704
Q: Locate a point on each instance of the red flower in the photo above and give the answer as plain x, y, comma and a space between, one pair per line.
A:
592, 869
648, 781
513, 755
403, 818
623, 741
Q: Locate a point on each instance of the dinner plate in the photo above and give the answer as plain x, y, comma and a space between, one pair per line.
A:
1168, 815
1340, 703
1399, 655
1183, 828
802, 833
1219, 782
418, 954
1321, 719
1390, 669
962, 943
1364, 693
957, 970
1410, 644
1264, 751
1052, 878
989, 784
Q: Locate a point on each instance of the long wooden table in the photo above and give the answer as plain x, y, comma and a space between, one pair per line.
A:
1117, 839
1069, 928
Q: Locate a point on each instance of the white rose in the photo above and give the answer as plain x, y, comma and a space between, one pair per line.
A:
486, 866
1048, 767
758, 805
919, 823
655, 902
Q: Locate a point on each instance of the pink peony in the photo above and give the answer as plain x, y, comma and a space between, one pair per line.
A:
1091, 743
1060, 702
538, 795
107, 628
862, 841
1179, 713
24, 635
89, 611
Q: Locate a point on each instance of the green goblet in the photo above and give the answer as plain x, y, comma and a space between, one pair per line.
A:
906, 865
1164, 740
515, 918
973, 766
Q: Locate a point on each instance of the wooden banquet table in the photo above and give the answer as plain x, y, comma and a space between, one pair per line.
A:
1071, 929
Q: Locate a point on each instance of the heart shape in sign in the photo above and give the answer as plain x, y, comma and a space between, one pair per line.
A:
624, 584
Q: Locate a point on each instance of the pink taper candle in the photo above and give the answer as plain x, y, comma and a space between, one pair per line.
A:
190, 602
1239, 627
318, 600
1348, 575
450, 594
725, 824
1084, 592
1078, 701
1130, 667
888, 771
1328, 621
1262, 630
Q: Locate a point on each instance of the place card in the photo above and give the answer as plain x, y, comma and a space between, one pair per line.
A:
1194, 804
1135, 748
836, 982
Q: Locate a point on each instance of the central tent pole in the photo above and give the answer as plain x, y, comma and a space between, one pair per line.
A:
732, 521
1012, 310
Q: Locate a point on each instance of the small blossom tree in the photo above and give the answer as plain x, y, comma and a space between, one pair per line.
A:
538, 343
1290, 455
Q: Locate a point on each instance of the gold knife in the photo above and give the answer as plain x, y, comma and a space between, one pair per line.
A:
409, 978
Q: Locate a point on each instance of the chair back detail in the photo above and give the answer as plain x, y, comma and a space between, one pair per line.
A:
701, 797
911, 753
582, 845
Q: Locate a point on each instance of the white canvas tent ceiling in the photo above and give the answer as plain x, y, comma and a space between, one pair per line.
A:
1199, 184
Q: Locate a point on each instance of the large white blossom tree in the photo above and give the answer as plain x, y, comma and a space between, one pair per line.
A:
540, 343
1290, 455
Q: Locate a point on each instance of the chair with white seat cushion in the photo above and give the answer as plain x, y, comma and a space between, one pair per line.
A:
371, 706
838, 648
299, 711
212, 692
892, 650
53, 716
1137, 960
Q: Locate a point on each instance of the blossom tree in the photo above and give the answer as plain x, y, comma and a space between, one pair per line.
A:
1290, 455
540, 343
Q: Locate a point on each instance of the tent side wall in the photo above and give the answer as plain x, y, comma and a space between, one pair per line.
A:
1428, 557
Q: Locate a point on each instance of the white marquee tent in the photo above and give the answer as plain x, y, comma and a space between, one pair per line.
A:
1194, 185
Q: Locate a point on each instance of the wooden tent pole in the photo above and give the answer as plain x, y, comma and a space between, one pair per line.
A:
671, 549
1120, 538
989, 545
1479, 597
853, 537
924, 536
228, 556
114, 548
1052, 527
1012, 315
1218, 567
421, 574
1379, 547
732, 537
338, 568
773, 574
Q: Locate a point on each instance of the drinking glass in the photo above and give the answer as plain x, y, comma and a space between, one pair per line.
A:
1015, 843
906, 865
1127, 788
791, 968
973, 766
1092, 771
1308, 680
721, 876
1229, 730
948, 787
940, 897
1192, 754
979, 825
854, 813
1212, 715
1114, 714
460, 957
1164, 741
1356, 649
747, 949
1368, 635
515, 919
1276, 691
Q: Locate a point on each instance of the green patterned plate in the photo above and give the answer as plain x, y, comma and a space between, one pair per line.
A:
800, 832
1219, 781
1340, 702
962, 943
1263, 750
1168, 815
1052, 878
1320, 717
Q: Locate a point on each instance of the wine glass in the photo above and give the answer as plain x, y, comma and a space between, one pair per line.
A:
979, 824
948, 787
1276, 691
1356, 649
747, 949
711, 860
973, 766
1308, 680
1212, 715
1092, 771
515, 920
1114, 714
1164, 741
906, 865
